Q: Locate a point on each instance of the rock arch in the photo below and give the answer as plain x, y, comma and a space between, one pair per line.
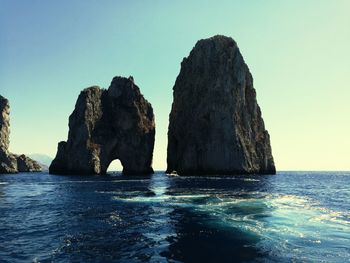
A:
117, 123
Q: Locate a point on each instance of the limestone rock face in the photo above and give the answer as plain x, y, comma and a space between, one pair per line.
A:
4, 123
11, 163
105, 125
8, 163
215, 122
26, 164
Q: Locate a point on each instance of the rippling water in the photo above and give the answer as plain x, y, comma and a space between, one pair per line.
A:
293, 216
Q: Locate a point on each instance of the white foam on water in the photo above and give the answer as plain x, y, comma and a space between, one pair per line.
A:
140, 199
283, 222
119, 192
171, 199
306, 209
300, 221
179, 197
250, 180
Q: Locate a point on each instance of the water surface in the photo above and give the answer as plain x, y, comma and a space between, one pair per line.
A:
293, 216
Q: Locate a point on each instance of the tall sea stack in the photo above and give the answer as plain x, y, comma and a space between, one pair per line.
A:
9, 162
105, 125
215, 122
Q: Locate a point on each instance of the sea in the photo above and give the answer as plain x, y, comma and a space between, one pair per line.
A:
287, 217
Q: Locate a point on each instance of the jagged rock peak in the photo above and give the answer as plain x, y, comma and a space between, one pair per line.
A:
4, 123
215, 122
11, 163
117, 123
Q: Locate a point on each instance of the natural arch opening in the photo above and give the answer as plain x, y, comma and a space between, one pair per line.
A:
115, 166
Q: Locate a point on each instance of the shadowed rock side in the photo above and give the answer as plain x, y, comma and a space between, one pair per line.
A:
11, 163
105, 125
215, 122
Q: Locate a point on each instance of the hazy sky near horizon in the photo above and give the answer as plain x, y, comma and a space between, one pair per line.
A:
298, 52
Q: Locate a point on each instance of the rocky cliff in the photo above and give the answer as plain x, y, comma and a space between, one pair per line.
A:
105, 125
215, 122
11, 163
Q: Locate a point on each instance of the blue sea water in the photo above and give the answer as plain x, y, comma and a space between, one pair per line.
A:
289, 217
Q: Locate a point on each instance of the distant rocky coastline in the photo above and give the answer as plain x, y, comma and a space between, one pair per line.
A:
9, 162
215, 124
117, 123
42, 159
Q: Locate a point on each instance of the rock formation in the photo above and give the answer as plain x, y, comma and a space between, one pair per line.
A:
105, 125
11, 163
215, 122
26, 164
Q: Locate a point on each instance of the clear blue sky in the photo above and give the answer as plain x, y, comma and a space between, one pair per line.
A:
298, 52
